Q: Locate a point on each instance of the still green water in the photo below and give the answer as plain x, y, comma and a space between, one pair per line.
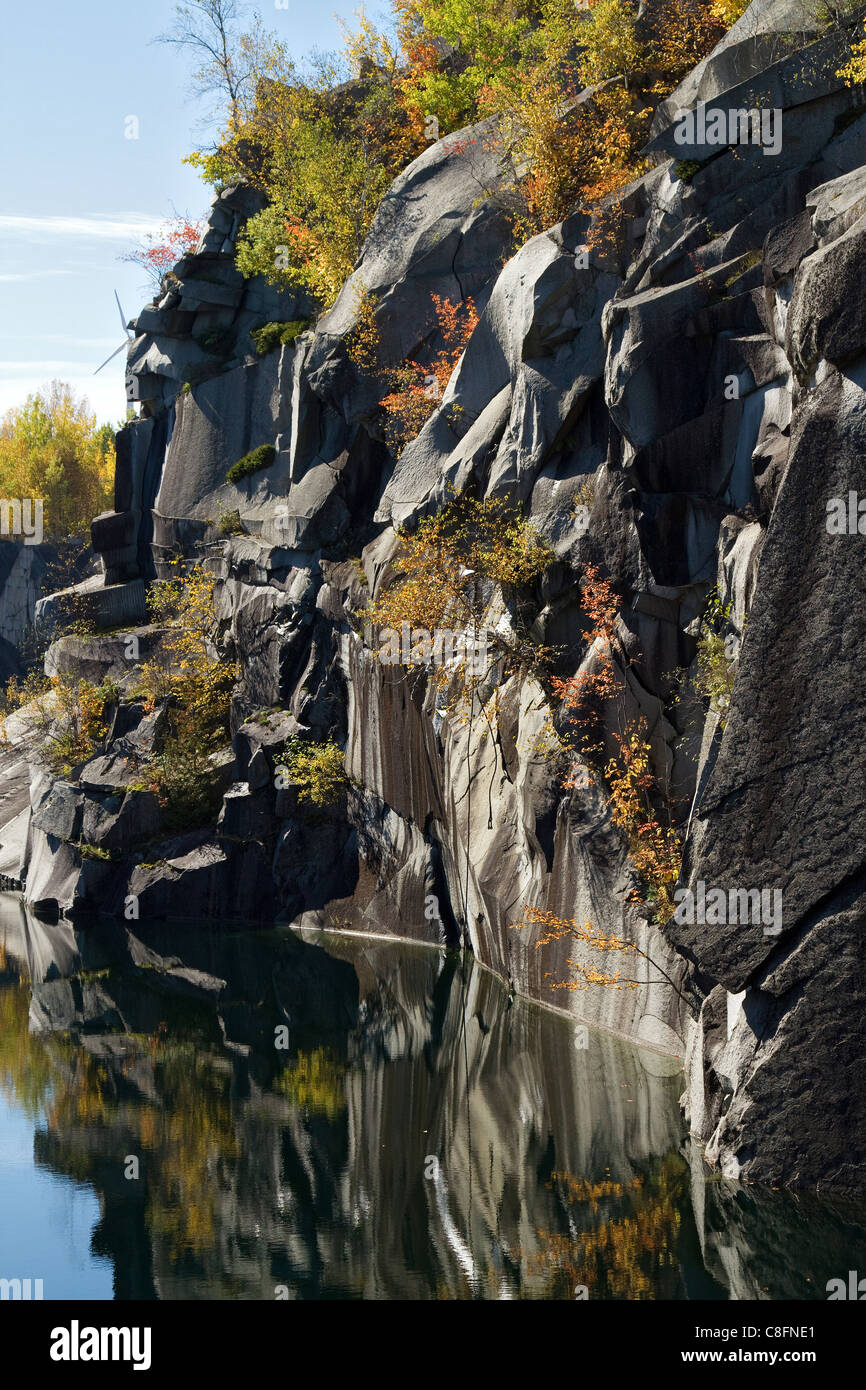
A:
190, 1114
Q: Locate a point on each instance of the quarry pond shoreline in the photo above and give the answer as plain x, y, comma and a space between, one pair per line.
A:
310, 934
424, 1131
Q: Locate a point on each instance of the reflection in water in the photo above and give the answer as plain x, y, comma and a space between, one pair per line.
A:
347, 1118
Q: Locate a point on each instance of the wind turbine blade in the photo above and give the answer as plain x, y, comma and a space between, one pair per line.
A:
124, 325
123, 345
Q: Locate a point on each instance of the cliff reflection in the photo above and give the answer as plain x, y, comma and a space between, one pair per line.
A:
419, 1135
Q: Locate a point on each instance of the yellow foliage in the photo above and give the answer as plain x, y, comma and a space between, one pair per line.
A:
67, 712
559, 928
51, 448
315, 1081
623, 1254
854, 71
654, 849
367, 46
727, 12
196, 683
454, 572
317, 770
589, 699
440, 563
610, 46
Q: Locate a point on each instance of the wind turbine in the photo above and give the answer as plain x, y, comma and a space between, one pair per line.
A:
129, 336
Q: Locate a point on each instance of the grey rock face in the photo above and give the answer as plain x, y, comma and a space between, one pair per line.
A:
827, 316
680, 412
780, 814
22, 570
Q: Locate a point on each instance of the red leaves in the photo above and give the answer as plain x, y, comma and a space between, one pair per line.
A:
417, 390
176, 238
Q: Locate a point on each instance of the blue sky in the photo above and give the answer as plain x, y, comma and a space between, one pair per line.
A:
76, 193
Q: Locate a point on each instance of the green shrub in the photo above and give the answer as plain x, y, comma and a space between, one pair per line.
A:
253, 462
316, 769
752, 259
718, 648
219, 342
686, 169
230, 524
90, 851
271, 335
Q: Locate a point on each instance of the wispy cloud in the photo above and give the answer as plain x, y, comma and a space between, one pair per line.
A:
42, 365
65, 338
117, 227
14, 276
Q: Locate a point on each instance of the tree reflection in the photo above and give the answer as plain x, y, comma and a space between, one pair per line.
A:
627, 1245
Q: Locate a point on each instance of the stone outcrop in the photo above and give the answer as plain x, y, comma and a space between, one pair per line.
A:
706, 376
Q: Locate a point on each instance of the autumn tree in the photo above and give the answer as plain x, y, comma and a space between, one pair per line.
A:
411, 390
324, 183
160, 251
323, 156
192, 681
468, 568
228, 57
52, 448
622, 1237
854, 71
494, 38
609, 747
324, 152
614, 745
66, 713
609, 42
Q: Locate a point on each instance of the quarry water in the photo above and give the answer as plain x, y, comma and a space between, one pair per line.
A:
189, 1113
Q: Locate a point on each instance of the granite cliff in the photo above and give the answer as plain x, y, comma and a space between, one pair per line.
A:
701, 379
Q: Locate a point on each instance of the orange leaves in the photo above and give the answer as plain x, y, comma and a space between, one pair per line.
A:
417, 390
585, 695
600, 603
411, 391
633, 790
558, 928
422, 59
685, 31
176, 238
654, 849
623, 1235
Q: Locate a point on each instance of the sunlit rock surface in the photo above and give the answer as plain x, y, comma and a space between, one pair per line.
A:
707, 374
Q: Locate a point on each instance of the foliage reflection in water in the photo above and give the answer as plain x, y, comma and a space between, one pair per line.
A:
344, 1118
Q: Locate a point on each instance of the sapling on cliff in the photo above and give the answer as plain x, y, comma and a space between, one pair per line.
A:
464, 571
193, 683
594, 715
